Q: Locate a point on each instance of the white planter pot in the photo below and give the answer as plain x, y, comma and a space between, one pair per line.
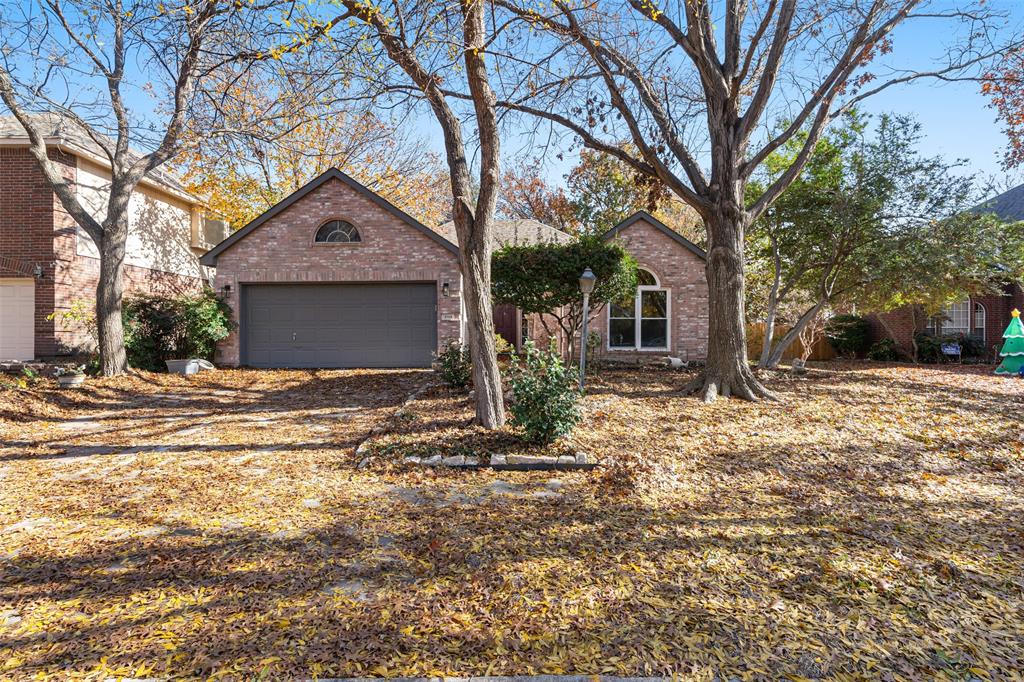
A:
71, 380
190, 366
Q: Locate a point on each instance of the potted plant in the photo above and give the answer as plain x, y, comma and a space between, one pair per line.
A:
70, 377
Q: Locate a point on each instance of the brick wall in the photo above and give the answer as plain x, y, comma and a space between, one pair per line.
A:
282, 250
681, 272
27, 231
997, 313
35, 228
900, 323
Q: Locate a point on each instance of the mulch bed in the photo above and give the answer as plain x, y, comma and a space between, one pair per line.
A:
441, 422
866, 527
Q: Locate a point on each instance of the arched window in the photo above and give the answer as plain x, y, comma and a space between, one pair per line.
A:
640, 321
337, 232
965, 317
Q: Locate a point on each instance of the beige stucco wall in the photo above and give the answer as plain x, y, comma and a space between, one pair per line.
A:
160, 225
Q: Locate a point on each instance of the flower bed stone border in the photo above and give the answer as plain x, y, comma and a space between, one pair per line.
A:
514, 462
579, 461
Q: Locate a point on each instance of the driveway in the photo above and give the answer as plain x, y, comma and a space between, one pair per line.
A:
184, 520
195, 446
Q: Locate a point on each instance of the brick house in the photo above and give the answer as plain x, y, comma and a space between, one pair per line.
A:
981, 316
668, 315
47, 263
336, 276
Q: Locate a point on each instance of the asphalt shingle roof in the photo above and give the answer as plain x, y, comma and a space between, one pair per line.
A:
72, 135
522, 232
1007, 206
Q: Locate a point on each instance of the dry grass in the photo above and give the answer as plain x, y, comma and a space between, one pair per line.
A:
868, 526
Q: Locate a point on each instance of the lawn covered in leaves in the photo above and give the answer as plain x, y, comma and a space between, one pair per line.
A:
868, 526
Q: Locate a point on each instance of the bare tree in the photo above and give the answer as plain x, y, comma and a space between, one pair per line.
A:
86, 67
698, 87
418, 37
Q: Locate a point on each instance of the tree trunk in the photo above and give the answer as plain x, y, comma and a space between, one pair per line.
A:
769, 333
727, 371
109, 292
475, 260
775, 357
773, 308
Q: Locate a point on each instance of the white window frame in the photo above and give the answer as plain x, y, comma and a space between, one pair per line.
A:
984, 319
637, 305
323, 224
943, 323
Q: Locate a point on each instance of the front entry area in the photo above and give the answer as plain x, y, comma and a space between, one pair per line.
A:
339, 325
17, 319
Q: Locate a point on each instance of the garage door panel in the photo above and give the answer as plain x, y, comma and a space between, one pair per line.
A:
17, 319
340, 325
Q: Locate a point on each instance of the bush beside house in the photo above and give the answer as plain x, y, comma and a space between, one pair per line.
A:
161, 328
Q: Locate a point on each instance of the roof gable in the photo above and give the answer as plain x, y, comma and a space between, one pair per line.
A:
1008, 206
63, 131
210, 257
660, 226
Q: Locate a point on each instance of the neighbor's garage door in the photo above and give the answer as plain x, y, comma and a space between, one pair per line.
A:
339, 325
17, 319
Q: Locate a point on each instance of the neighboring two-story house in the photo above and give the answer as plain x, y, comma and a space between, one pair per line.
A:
47, 262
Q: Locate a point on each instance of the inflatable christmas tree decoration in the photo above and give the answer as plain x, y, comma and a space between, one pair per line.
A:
1012, 351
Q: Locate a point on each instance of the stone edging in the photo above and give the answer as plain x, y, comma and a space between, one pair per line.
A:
498, 462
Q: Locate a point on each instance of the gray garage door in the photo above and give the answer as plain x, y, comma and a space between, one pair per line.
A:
339, 325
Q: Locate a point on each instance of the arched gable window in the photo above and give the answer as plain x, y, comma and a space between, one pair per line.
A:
640, 321
337, 232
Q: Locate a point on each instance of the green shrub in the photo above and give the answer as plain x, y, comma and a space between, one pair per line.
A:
929, 348
884, 350
150, 330
545, 403
972, 347
501, 346
454, 365
206, 320
160, 328
848, 334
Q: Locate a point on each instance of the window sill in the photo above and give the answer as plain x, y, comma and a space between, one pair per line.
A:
634, 349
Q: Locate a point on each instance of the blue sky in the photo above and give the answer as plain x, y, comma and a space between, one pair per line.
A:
955, 117
956, 120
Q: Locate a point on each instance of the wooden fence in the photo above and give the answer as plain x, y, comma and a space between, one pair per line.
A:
821, 350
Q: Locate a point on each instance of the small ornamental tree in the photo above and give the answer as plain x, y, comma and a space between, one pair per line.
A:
1012, 351
544, 279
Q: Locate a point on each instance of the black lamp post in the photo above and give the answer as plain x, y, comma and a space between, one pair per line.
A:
587, 281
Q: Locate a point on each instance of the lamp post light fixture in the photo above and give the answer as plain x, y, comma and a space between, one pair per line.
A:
587, 281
